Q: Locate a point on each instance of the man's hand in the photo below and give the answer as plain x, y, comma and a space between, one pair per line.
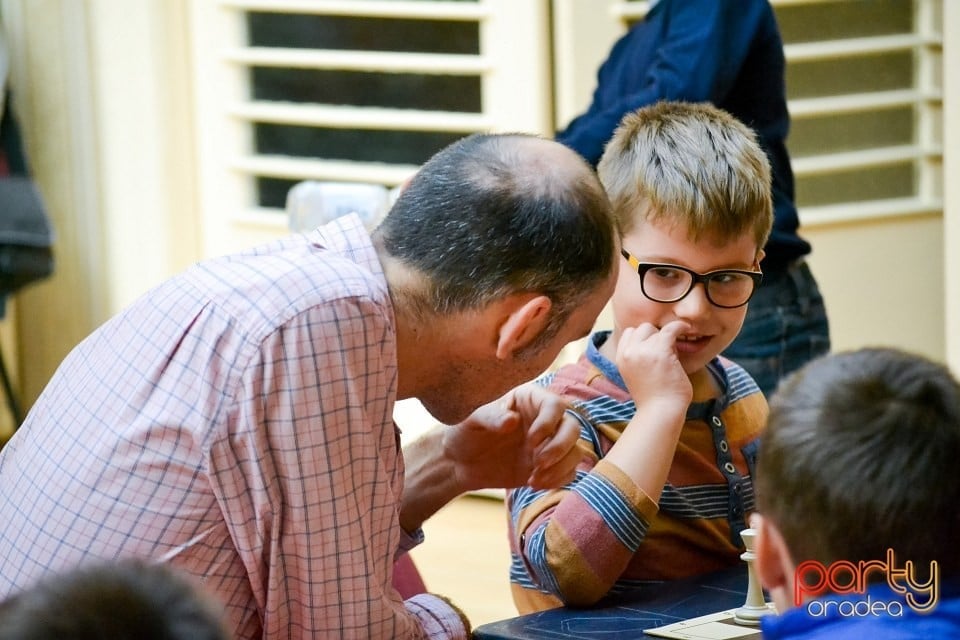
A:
525, 437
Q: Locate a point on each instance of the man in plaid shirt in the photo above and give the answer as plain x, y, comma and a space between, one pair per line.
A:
236, 421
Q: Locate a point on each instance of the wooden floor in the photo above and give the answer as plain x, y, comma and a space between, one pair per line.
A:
466, 557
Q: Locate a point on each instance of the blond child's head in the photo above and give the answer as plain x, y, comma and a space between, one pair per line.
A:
690, 189
689, 164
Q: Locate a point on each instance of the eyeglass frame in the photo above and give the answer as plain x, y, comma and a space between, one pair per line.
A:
641, 269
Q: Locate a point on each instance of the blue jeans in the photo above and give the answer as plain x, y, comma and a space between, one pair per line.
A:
786, 326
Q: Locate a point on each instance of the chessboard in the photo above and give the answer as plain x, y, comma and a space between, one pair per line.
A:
714, 626
740, 623
685, 609
697, 608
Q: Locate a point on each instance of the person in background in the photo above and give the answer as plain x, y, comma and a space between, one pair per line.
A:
857, 489
728, 53
671, 426
123, 600
236, 421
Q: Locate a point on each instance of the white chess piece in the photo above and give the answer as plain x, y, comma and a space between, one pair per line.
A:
755, 606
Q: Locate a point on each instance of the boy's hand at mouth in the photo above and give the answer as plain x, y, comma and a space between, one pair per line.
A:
647, 360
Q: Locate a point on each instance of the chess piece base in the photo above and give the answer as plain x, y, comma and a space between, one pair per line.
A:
750, 616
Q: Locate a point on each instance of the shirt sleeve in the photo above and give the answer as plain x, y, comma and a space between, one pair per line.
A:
576, 542
700, 47
437, 619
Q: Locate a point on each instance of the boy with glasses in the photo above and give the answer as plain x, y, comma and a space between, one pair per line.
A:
671, 426
729, 53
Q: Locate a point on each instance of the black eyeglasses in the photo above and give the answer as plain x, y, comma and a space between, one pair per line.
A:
725, 288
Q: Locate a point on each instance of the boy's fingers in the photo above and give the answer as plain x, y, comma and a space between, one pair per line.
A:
673, 329
642, 331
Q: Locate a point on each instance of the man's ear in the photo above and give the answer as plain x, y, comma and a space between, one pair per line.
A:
774, 563
527, 317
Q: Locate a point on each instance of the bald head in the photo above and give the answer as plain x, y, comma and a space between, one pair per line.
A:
496, 214
538, 167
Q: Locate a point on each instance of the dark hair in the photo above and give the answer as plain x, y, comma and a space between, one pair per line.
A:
126, 600
860, 456
496, 214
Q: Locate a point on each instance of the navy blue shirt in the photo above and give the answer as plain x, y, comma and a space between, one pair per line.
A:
727, 52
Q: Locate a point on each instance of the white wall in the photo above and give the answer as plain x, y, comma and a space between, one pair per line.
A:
882, 282
951, 168
103, 94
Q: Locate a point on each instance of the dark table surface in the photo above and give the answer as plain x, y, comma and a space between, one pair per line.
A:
619, 618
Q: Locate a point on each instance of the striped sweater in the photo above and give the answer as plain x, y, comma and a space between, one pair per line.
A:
601, 534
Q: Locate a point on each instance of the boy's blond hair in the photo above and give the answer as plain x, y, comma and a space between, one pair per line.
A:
690, 164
